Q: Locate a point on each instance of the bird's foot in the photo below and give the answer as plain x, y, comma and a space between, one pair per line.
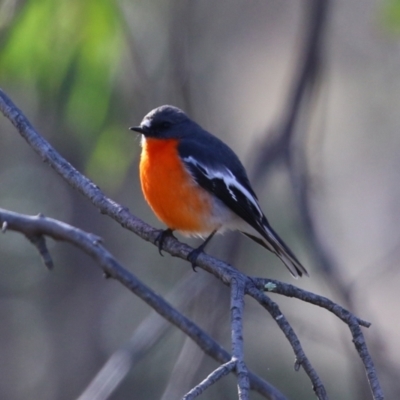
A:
192, 256
161, 237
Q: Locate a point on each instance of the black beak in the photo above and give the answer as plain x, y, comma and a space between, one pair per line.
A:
138, 129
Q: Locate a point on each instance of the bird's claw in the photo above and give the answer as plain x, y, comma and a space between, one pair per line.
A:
161, 237
192, 257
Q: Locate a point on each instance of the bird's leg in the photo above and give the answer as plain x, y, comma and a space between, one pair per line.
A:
161, 237
192, 256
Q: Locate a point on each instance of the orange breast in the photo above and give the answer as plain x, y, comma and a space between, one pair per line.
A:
170, 190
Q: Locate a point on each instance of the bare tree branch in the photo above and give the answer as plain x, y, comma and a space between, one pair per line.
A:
150, 331
32, 226
86, 187
237, 308
301, 358
214, 377
285, 289
90, 244
280, 147
190, 357
350, 319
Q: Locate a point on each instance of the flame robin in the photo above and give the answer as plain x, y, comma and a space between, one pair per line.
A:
197, 185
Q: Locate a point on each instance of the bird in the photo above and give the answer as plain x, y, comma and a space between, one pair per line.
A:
196, 185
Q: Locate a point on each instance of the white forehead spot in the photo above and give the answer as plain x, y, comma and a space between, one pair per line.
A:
146, 123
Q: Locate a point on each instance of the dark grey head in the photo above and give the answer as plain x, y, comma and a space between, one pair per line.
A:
163, 122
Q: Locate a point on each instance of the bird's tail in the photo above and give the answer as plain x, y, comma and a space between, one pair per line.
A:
271, 241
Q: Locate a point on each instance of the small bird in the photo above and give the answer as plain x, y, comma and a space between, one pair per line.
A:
196, 185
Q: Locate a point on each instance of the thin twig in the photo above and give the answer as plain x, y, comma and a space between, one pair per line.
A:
221, 270
214, 377
187, 365
280, 148
346, 316
90, 244
285, 289
362, 349
301, 358
237, 308
150, 331
39, 242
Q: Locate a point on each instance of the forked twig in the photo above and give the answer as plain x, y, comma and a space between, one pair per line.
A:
32, 226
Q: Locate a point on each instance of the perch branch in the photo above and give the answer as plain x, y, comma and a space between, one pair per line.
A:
90, 244
221, 270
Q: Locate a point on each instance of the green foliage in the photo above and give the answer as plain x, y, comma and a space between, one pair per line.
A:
69, 52
111, 158
391, 15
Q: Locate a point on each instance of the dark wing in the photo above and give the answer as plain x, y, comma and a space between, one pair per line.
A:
221, 173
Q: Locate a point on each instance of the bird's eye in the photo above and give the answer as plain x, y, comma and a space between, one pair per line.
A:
165, 125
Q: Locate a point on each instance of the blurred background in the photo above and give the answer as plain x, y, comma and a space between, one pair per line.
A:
306, 92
